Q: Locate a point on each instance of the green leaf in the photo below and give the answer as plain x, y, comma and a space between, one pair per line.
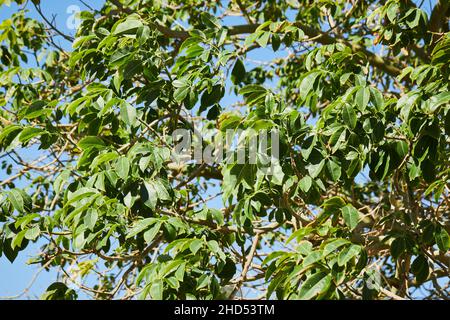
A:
79, 242
213, 112
420, 268
351, 216
398, 246
140, 226
335, 202
314, 285
401, 148
129, 26
102, 158
59, 291
315, 169
334, 170
161, 190
123, 167
210, 20
277, 173
179, 274
150, 234
156, 290
304, 247
299, 234
29, 133
306, 151
80, 194
180, 93
90, 219
25, 220
213, 245
348, 253
20, 200
211, 97
36, 110
378, 99
362, 98
392, 12
203, 281
438, 100
313, 257
238, 72
442, 239
307, 84
305, 183
91, 142
195, 245
228, 270
149, 195
17, 240
10, 253
33, 233
276, 42
349, 116
263, 39
254, 94
333, 245
9, 130
119, 57
128, 114
413, 18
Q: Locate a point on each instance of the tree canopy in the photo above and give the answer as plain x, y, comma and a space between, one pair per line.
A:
355, 207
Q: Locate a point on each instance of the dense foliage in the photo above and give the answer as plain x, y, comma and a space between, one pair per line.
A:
357, 206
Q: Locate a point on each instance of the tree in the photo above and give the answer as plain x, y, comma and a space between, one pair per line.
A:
355, 205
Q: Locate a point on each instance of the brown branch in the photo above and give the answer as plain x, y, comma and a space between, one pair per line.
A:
247, 263
38, 9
